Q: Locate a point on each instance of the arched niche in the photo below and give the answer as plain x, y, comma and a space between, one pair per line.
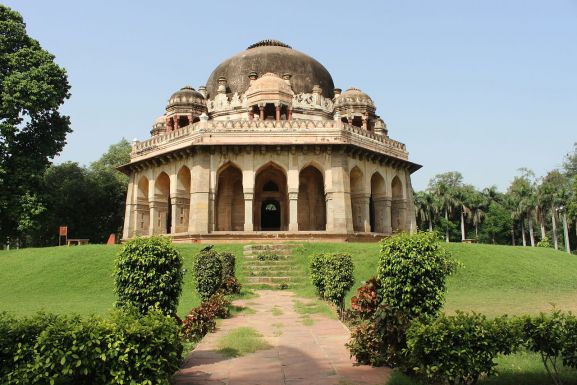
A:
398, 205
357, 199
311, 206
377, 203
181, 200
229, 199
163, 205
270, 209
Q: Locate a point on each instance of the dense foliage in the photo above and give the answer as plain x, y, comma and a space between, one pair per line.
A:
332, 275
531, 210
459, 349
125, 348
32, 131
207, 270
148, 274
201, 320
412, 272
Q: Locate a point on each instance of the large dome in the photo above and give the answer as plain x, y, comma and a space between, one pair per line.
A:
275, 57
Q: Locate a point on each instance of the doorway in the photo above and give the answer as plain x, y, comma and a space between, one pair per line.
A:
270, 215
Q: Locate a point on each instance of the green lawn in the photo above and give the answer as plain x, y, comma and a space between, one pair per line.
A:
76, 279
493, 280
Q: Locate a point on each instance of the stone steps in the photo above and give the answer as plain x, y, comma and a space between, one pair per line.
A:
274, 274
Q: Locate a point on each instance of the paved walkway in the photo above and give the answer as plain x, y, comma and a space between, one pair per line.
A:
300, 354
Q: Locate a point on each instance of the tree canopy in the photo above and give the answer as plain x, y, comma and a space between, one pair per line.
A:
32, 131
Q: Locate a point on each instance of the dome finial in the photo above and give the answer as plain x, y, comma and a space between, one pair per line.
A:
269, 43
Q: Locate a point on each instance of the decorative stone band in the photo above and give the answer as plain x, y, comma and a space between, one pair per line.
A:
246, 132
305, 101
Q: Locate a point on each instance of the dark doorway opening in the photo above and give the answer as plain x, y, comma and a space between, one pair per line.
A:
270, 215
169, 216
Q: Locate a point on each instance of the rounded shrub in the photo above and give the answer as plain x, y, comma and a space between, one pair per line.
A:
228, 261
412, 272
338, 278
207, 269
148, 274
317, 266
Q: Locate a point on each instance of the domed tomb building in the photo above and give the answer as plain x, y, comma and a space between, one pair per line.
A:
269, 148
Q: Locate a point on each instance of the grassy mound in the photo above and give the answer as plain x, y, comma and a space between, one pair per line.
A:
493, 280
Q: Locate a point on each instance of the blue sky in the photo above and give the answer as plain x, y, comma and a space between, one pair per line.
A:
480, 87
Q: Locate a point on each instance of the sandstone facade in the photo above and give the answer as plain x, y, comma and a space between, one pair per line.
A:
272, 153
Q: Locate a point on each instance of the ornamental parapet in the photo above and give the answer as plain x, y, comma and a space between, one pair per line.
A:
285, 132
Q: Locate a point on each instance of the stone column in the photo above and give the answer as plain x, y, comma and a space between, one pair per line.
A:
198, 218
248, 199
261, 112
379, 207
289, 114
293, 211
387, 225
340, 195
176, 122
329, 212
250, 115
130, 211
174, 214
277, 112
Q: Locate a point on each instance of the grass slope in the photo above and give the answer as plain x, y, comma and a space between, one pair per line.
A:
493, 280
75, 279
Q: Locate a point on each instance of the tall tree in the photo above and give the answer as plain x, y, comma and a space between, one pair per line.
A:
445, 187
522, 190
570, 163
426, 208
32, 131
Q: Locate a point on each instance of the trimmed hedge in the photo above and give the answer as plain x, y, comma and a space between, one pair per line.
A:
459, 349
148, 274
332, 275
207, 269
125, 348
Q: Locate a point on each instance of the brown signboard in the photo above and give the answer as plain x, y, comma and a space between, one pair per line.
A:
63, 231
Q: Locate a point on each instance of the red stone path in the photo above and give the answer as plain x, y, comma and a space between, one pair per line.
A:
301, 355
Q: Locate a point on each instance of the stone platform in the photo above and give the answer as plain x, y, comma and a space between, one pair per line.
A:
274, 236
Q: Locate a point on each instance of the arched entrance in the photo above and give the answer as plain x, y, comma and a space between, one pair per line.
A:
182, 200
230, 200
270, 199
377, 203
162, 204
397, 206
357, 199
311, 204
270, 214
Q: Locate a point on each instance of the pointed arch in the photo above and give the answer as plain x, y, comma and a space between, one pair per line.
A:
270, 208
377, 203
311, 204
357, 198
397, 205
162, 204
182, 200
229, 198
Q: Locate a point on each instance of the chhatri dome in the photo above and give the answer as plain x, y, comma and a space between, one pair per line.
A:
268, 146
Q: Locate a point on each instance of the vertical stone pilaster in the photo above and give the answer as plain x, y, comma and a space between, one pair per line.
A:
130, 210
340, 195
198, 218
293, 211
387, 226
329, 205
248, 199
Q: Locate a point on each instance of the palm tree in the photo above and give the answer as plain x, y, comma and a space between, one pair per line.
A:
522, 190
444, 187
426, 208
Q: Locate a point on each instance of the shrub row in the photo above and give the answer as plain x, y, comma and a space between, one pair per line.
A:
201, 320
460, 349
215, 271
125, 348
332, 276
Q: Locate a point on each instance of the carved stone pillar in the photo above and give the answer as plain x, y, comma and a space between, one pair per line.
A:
329, 205
277, 113
158, 213
198, 218
387, 224
176, 122
261, 112
293, 211
289, 114
248, 199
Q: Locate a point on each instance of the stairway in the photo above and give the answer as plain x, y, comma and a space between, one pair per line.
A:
276, 273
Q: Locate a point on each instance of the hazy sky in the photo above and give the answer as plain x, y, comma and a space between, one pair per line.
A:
481, 87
